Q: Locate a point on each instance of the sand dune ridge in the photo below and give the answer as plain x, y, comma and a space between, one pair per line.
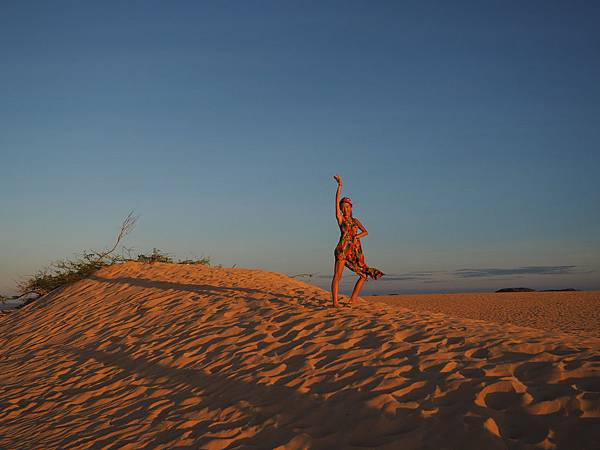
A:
169, 356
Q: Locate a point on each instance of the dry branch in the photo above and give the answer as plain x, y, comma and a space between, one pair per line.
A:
126, 227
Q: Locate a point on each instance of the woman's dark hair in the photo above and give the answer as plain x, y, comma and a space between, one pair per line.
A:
345, 200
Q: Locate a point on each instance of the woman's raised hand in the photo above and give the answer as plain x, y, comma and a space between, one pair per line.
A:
338, 179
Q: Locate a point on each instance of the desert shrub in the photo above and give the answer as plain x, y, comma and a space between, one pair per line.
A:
63, 272
158, 256
66, 271
155, 256
205, 260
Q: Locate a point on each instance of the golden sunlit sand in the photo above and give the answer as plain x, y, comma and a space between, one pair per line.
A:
168, 356
567, 312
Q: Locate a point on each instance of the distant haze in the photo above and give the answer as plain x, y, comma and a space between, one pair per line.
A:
466, 134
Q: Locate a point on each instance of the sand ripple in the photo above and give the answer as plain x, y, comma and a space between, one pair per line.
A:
165, 356
573, 312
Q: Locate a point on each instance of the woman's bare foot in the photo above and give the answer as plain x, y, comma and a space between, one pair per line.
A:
352, 300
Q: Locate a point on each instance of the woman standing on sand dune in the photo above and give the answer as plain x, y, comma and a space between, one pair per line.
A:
349, 252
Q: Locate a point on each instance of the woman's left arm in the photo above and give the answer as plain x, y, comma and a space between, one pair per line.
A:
363, 229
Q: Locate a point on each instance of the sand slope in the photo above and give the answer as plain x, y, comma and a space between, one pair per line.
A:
168, 356
574, 312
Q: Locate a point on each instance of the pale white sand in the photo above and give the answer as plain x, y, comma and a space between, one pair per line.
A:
166, 356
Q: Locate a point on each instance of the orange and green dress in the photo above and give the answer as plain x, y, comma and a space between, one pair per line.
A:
350, 250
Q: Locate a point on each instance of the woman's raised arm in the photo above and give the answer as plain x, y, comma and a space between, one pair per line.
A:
338, 212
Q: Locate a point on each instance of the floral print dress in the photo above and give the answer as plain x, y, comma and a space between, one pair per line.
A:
350, 250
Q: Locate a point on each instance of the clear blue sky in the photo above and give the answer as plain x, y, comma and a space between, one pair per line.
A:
466, 133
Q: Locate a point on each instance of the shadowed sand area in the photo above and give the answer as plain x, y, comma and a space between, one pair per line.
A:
567, 312
166, 356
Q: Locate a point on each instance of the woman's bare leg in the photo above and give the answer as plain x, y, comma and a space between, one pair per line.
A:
335, 283
357, 287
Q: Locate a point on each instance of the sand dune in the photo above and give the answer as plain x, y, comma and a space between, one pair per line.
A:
168, 356
573, 312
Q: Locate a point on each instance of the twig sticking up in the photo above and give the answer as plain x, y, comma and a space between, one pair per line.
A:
126, 227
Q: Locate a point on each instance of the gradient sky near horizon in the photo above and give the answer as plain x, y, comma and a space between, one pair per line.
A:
466, 133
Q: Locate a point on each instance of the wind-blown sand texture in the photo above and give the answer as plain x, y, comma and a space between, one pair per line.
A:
566, 312
166, 356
